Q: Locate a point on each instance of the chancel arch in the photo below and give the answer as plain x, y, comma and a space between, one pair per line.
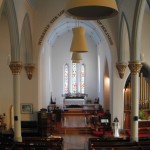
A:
57, 45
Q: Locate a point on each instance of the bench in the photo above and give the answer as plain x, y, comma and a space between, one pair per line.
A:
118, 144
29, 128
141, 133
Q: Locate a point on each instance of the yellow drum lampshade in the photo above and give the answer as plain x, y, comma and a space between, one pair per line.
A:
91, 9
76, 56
79, 41
76, 61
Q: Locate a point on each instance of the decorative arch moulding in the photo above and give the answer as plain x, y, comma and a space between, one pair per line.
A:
59, 15
105, 31
48, 26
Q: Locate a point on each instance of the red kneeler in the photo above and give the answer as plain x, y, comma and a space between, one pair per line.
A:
101, 131
141, 133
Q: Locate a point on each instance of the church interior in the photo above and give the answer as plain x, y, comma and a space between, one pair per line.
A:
76, 74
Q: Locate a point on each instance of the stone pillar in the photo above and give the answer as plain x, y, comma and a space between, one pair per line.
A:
135, 68
16, 67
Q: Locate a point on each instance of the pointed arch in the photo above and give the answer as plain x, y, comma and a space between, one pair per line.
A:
124, 29
137, 30
13, 28
26, 34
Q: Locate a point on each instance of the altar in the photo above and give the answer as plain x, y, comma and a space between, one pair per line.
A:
74, 101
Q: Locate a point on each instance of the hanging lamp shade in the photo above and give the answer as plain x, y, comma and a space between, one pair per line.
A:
76, 56
76, 61
79, 42
91, 9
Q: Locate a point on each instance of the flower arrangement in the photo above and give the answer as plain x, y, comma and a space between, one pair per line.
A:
142, 115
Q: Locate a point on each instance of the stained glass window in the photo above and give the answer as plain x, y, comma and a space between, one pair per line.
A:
66, 78
82, 79
74, 78
74, 82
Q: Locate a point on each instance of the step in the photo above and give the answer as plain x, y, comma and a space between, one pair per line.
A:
76, 130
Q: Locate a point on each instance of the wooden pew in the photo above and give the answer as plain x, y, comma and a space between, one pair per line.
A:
36, 143
29, 128
117, 144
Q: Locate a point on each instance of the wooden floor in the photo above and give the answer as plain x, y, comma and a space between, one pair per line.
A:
79, 141
74, 130
76, 141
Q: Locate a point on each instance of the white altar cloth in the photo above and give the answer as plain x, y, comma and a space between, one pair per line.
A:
73, 101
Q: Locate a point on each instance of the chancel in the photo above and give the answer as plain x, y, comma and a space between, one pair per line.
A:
69, 68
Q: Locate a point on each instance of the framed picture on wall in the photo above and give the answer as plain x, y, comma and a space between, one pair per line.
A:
26, 108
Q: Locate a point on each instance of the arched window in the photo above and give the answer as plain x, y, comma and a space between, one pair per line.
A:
66, 79
82, 79
74, 78
74, 81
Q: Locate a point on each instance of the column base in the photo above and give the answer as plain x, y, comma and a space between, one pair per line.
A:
18, 139
133, 139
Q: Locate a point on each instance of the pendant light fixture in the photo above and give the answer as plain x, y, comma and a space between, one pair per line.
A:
91, 9
76, 61
79, 42
76, 57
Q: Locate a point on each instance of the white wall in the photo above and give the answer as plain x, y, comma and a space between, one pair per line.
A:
145, 46
45, 76
6, 80
104, 54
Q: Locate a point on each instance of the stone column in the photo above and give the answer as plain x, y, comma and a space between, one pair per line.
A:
16, 67
135, 68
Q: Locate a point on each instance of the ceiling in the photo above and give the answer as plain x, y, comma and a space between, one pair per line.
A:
67, 24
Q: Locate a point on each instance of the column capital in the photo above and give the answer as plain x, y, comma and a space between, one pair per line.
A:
16, 67
29, 70
121, 69
135, 67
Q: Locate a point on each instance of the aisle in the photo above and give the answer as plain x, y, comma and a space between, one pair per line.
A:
76, 141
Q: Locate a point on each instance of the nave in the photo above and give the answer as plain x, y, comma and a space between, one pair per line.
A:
75, 130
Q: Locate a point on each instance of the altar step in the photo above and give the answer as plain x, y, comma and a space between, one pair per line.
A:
76, 130
75, 112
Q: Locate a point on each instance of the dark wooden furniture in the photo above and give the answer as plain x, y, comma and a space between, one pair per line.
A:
6, 138
29, 128
36, 143
101, 123
47, 122
118, 144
